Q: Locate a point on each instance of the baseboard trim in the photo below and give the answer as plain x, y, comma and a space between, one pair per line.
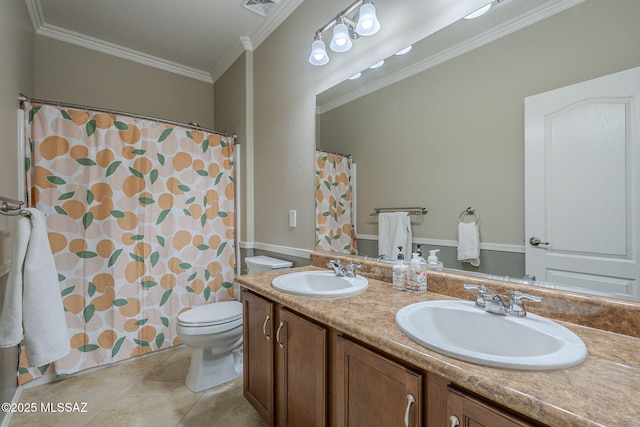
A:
454, 243
285, 250
7, 415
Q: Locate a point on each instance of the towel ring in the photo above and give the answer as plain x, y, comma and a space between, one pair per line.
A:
469, 211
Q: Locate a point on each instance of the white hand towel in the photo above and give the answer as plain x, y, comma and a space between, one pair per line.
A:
394, 229
33, 306
469, 243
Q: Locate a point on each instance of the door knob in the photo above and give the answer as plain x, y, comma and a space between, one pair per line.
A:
534, 241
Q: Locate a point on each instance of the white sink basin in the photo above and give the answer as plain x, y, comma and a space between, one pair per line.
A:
460, 330
320, 283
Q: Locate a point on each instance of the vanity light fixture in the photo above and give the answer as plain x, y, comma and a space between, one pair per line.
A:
363, 23
377, 65
355, 76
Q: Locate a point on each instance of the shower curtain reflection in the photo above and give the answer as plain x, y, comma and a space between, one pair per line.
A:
335, 230
141, 223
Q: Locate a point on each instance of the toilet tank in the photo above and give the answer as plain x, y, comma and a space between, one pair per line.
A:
261, 263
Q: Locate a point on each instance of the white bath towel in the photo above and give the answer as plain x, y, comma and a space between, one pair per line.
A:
33, 308
394, 229
469, 243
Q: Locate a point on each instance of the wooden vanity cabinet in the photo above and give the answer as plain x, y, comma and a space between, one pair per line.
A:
288, 371
301, 354
373, 390
466, 410
285, 364
259, 369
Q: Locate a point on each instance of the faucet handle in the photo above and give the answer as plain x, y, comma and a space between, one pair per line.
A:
352, 267
516, 307
483, 294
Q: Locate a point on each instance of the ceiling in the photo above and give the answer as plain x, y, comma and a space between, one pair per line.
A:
196, 38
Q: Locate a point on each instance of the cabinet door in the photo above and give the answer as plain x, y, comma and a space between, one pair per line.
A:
470, 411
301, 357
258, 369
372, 390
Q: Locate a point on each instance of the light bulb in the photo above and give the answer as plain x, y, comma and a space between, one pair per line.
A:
341, 41
318, 53
403, 51
367, 21
479, 12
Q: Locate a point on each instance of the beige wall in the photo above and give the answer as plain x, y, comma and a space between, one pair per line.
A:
285, 85
70, 73
230, 95
453, 136
16, 75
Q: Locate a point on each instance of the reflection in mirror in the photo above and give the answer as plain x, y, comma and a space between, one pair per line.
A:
445, 129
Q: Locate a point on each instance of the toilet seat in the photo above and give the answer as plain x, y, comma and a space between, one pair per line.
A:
213, 314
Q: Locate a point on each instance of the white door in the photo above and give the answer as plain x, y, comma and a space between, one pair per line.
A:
582, 184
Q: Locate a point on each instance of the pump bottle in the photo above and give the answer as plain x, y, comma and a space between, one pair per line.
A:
400, 268
416, 275
432, 260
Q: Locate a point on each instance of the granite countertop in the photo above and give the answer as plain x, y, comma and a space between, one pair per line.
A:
603, 391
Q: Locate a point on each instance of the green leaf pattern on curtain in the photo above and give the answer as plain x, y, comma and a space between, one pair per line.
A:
334, 204
141, 224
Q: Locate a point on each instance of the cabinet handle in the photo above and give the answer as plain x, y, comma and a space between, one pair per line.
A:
455, 422
410, 400
278, 335
264, 327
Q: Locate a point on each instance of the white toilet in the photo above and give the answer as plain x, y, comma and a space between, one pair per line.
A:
261, 264
215, 333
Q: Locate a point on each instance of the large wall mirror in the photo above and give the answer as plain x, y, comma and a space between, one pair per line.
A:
442, 127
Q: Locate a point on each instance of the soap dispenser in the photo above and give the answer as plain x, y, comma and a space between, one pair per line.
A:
400, 268
416, 275
432, 260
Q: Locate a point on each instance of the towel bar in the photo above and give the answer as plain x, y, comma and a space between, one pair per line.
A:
8, 207
410, 211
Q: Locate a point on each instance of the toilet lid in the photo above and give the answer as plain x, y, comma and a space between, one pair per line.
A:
212, 314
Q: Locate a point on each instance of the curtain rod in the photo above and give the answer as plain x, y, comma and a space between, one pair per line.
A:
22, 98
334, 152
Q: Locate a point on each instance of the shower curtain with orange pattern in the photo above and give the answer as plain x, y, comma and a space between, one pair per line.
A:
335, 229
140, 218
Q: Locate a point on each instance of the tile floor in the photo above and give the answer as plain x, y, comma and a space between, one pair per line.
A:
147, 391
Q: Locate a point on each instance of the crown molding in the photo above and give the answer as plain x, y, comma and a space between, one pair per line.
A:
244, 43
529, 18
274, 19
34, 8
92, 43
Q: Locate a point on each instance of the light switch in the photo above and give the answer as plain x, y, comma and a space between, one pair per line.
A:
292, 218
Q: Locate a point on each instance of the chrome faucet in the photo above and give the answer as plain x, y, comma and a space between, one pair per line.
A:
516, 306
341, 271
493, 303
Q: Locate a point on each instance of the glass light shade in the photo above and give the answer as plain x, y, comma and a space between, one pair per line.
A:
341, 41
355, 76
367, 21
403, 51
377, 65
479, 12
318, 53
